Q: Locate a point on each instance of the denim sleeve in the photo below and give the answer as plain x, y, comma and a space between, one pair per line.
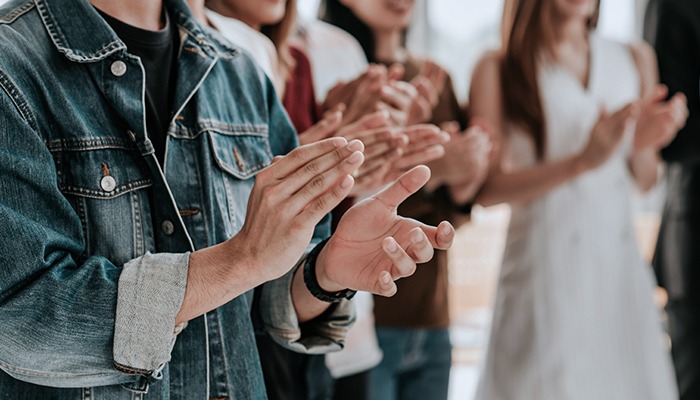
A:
323, 334
59, 305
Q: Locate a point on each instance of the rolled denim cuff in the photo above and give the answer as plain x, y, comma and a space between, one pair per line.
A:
150, 293
321, 335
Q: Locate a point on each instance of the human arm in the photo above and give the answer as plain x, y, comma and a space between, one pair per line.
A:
295, 192
659, 121
677, 43
70, 317
530, 183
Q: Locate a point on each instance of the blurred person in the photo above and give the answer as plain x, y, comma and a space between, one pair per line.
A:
412, 327
578, 121
149, 216
677, 258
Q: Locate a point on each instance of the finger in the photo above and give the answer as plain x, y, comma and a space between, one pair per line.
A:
323, 129
323, 204
302, 155
312, 175
395, 97
444, 236
385, 286
379, 135
423, 110
374, 120
452, 128
372, 179
659, 93
388, 157
403, 264
406, 185
420, 250
425, 134
396, 72
420, 157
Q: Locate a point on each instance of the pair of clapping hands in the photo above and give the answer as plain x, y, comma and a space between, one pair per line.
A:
382, 88
361, 145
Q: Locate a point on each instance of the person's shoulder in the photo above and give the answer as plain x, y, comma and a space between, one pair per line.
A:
13, 10
489, 63
18, 20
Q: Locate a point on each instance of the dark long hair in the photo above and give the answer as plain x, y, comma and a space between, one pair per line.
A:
527, 31
280, 33
336, 13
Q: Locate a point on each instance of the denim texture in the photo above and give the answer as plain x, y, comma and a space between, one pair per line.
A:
416, 365
95, 235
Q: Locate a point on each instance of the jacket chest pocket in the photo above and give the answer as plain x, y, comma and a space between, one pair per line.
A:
109, 189
238, 158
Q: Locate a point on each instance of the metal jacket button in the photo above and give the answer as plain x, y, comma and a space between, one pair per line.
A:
168, 227
108, 183
118, 68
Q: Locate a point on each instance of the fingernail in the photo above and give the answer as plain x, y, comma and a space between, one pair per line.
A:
391, 245
386, 279
355, 157
355, 145
446, 229
346, 182
416, 237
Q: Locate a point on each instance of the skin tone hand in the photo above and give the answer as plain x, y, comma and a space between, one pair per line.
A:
287, 201
323, 129
373, 246
425, 145
607, 134
660, 120
464, 166
429, 83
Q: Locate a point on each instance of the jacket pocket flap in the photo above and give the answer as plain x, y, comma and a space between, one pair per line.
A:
242, 156
101, 173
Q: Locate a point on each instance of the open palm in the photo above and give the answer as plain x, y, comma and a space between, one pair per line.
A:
373, 246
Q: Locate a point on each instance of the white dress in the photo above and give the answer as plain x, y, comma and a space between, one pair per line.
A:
574, 316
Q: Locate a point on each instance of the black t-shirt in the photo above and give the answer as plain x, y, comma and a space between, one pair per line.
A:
158, 51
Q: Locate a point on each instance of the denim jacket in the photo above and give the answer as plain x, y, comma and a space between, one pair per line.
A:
95, 235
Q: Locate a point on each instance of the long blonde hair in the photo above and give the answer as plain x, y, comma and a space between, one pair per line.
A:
527, 33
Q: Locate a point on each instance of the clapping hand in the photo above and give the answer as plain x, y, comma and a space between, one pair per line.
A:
373, 246
660, 120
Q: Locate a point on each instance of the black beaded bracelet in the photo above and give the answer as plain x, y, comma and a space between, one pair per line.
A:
312, 283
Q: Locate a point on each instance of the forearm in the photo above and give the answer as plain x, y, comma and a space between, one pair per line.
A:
644, 167
529, 184
216, 276
465, 192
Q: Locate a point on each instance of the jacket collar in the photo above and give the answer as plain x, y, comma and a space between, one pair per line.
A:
78, 31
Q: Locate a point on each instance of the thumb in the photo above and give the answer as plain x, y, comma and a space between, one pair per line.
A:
658, 94
406, 185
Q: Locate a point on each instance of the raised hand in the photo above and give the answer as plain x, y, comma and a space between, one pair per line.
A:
323, 129
607, 135
660, 120
429, 83
464, 166
289, 198
425, 145
373, 246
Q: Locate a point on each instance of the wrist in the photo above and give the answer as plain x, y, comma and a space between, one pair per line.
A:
324, 281
580, 164
311, 281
